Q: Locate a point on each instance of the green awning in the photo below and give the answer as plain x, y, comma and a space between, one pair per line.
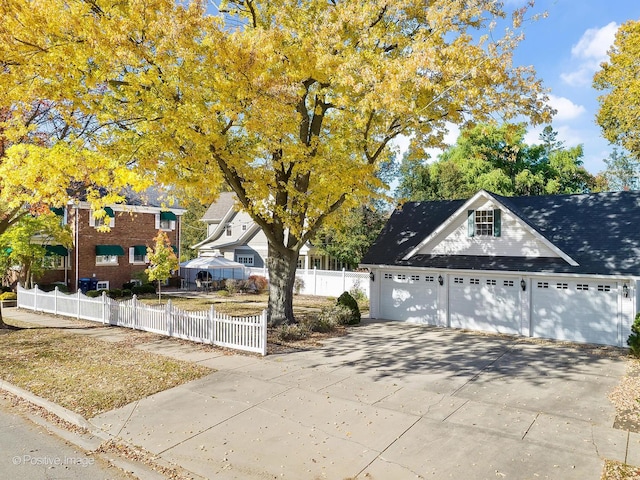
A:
7, 251
140, 250
167, 216
175, 249
109, 212
109, 250
56, 250
57, 211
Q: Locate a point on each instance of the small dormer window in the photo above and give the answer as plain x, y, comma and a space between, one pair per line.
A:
484, 223
229, 230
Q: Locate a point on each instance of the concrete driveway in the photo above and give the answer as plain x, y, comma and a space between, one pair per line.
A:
391, 401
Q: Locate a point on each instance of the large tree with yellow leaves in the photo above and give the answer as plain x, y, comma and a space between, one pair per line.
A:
619, 79
292, 104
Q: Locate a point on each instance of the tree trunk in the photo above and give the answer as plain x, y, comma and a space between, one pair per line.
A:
282, 275
2, 324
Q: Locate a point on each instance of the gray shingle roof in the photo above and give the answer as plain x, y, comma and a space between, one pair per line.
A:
600, 231
218, 209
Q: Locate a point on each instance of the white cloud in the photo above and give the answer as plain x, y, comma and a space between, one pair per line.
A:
589, 52
567, 110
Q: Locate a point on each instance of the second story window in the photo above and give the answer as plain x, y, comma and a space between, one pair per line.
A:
228, 230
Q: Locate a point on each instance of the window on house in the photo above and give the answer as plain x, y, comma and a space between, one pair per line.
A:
458, 280
138, 254
106, 260
484, 223
491, 281
428, 278
388, 276
300, 263
508, 283
229, 230
166, 221
53, 262
583, 287
108, 220
604, 288
474, 281
244, 227
415, 278
562, 286
245, 260
543, 284
401, 277
103, 285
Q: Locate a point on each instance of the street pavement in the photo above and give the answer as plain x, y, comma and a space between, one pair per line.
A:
387, 401
29, 452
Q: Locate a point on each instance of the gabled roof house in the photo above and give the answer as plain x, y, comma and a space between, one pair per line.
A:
563, 267
232, 234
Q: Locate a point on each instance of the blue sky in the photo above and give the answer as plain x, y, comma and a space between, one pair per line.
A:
566, 49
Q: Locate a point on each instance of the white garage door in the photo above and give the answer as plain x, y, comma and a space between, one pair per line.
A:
487, 303
581, 311
409, 297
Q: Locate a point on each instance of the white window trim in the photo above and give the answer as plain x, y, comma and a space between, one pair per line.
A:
100, 260
170, 228
228, 230
247, 259
132, 257
102, 285
92, 220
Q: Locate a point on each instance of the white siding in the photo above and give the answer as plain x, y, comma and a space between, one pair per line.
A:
515, 240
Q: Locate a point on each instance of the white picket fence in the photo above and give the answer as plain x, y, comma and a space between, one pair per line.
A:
326, 283
208, 326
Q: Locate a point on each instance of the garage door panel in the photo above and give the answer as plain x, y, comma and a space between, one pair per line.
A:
490, 304
409, 298
575, 311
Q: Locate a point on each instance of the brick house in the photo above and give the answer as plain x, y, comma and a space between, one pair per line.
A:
108, 259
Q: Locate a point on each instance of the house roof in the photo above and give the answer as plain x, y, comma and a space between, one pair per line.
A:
219, 209
600, 232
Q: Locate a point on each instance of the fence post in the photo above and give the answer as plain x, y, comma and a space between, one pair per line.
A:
344, 280
78, 293
134, 306
315, 280
263, 332
212, 324
169, 315
35, 298
55, 301
104, 307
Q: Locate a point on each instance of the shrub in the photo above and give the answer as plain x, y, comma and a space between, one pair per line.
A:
292, 332
95, 293
144, 288
128, 285
348, 301
232, 286
4, 289
223, 293
358, 294
329, 318
257, 283
115, 293
634, 339
298, 285
8, 296
126, 292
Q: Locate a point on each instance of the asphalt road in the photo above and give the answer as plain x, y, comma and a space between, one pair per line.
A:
29, 452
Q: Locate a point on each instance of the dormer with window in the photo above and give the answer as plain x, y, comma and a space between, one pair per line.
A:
484, 223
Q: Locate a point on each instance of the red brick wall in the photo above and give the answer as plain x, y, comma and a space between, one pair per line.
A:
130, 229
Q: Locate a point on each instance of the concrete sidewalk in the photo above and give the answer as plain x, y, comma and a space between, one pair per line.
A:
388, 401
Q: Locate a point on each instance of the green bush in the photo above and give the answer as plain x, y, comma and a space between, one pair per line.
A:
332, 316
145, 288
232, 286
8, 296
94, 293
348, 301
114, 293
4, 289
128, 285
634, 339
126, 292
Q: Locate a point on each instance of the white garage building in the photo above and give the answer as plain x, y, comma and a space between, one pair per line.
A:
559, 266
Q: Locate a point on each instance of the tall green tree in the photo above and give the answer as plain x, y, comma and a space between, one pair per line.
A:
619, 80
292, 104
497, 159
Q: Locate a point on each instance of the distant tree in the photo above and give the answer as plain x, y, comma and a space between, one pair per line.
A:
549, 139
162, 260
498, 160
193, 230
619, 79
622, 171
